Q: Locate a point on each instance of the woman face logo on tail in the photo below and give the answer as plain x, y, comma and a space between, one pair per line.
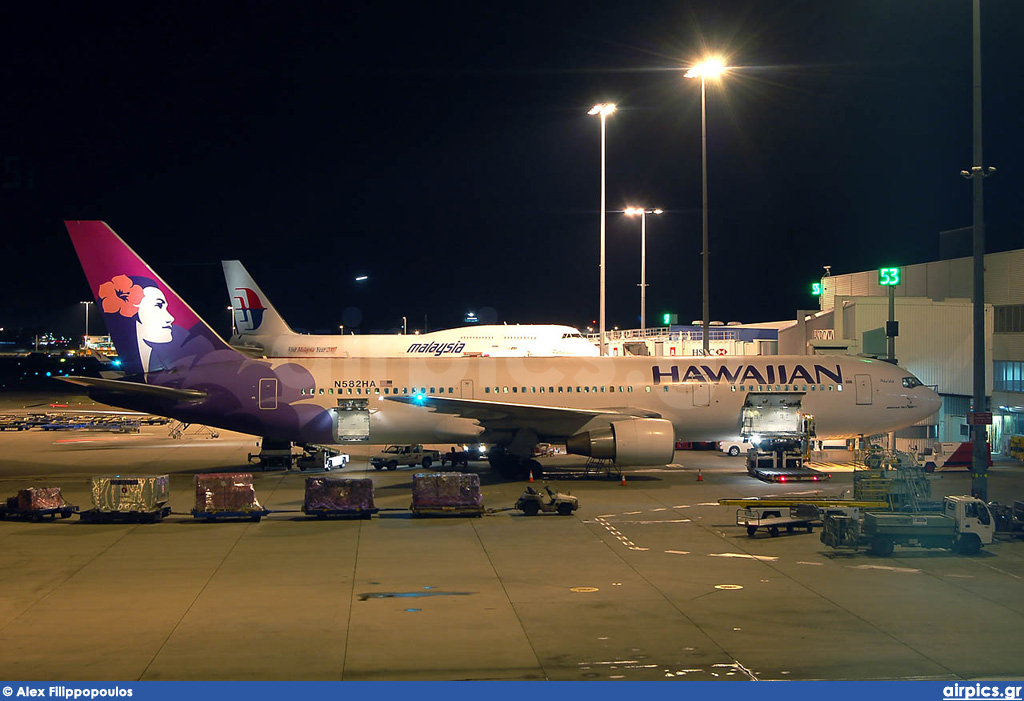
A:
153, 318
137, 317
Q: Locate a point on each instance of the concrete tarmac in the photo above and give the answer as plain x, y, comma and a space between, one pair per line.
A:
651, 580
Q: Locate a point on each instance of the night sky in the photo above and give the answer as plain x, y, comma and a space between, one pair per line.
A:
444, 150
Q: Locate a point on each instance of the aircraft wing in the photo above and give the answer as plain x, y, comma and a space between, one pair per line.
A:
545, 420
136, 390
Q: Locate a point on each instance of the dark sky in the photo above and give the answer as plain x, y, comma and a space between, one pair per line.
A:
444, 149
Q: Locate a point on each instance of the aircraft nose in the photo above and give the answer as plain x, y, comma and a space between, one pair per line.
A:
929, 401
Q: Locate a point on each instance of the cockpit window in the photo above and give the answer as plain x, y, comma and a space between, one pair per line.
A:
911, 382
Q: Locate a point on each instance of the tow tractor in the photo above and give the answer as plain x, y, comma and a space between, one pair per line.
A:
533, 502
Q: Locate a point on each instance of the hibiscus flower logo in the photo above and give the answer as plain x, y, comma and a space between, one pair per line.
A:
121, 296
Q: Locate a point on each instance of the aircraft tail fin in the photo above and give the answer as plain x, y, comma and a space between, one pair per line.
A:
152, 328
254, 314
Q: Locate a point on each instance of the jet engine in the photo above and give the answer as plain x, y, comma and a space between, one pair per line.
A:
627, 442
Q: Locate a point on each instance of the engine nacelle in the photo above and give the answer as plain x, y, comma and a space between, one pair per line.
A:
628, 442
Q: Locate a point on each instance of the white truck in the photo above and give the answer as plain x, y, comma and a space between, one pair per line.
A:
394, 455
962, 525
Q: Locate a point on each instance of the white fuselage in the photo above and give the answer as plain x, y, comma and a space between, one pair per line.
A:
495, 341
704, 398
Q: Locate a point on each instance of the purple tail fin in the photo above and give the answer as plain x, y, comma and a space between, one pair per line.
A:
151, 326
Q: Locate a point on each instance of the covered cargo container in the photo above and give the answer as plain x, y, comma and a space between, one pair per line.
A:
446, 493
339, 497
227, 495
36, 502
128, 497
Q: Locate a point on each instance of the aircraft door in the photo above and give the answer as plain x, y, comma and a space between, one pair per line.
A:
863, 388
702, 394
467, 389
268, 393
351, 421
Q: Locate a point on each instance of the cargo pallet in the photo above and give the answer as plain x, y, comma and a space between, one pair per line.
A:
15, 513
97, 516
341, 513
252, 515
475, 511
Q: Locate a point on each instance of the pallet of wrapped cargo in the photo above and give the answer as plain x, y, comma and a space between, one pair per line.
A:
128, 498
335, 497
446, 494
221, 495
35, 504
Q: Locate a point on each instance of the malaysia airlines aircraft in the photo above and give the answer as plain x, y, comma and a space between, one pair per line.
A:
261, 331
627, 409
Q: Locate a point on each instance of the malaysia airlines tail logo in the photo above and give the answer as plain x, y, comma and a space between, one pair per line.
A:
249, 310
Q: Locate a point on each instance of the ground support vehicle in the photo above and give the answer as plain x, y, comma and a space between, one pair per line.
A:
181, 428
446, 494
131, 516
227, 495
394, 455
785, 466
14, 424
321, 457
533, 502
963, 526
950, 456
128, 498
273, 455
455, 458
35, 504
334, 497
1009, 519
772, 518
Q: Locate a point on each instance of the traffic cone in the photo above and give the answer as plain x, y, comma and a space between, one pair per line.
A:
700, 477
623, 479
531, 476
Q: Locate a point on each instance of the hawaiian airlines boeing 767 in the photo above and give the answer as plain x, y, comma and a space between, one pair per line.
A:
628, 409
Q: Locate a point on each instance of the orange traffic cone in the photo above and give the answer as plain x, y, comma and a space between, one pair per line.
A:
623, 479
700, 477
531, 476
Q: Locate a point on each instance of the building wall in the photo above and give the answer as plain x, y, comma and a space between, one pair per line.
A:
935, 341
945, 281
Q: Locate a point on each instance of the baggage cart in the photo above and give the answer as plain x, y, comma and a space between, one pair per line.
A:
335, 497
772, 518
446, 494
227, 495
128, 499
35, 504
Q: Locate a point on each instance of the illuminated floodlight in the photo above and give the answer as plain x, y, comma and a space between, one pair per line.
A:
708, 68
604, 108
360, 278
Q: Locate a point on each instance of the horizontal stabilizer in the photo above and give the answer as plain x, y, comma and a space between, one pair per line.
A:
136, 389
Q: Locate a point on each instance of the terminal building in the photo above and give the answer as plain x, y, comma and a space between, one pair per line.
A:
934, 309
